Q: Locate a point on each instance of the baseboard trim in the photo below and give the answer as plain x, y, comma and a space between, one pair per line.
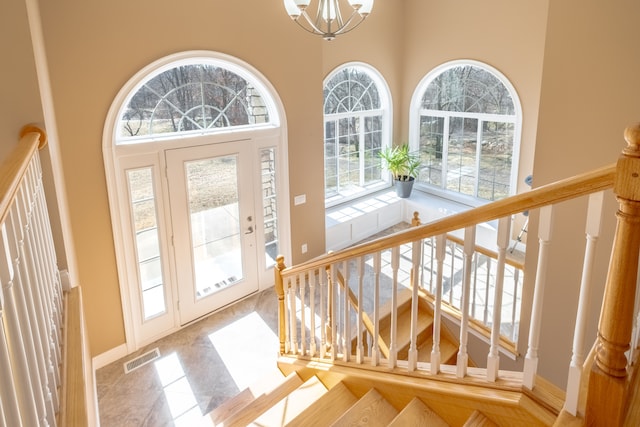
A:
109, 356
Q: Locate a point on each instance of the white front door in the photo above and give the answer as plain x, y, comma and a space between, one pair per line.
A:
213, 225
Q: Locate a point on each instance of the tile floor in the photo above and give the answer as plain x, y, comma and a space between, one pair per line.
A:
199, 367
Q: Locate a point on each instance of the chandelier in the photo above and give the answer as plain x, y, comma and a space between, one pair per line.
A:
328, 20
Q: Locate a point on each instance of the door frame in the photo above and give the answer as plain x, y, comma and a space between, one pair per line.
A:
115, 156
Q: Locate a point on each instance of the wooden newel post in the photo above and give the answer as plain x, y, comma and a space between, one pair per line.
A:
609, 380
279, 285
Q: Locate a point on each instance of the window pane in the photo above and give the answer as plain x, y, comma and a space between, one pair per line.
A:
495, 160
353, 134
143, 206
461, 155
468, 89
269, 206
466, 145
194, 97
431, 149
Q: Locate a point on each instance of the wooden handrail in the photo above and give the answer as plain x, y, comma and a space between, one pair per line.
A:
15, 165
559, 191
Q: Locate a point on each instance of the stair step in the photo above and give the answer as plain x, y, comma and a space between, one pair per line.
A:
289, 407
478, 419
448, 351
370, 410
403, 338
246, 396
327, 408
263, 402
417, 414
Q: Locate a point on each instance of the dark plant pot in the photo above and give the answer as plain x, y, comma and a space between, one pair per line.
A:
403, 188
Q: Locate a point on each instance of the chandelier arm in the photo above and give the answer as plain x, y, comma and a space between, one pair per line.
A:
314, 29
324, 23
344, 27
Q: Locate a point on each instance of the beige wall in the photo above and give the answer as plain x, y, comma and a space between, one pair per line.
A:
95, 47
19, 88
590, 92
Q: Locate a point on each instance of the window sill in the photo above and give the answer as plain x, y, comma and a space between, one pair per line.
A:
351, 222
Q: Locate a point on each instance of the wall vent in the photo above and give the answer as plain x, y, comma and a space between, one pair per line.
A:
141, 360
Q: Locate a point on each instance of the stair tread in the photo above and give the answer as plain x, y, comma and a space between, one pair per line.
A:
370, 410
290, 406
403, 338
263, 402
327, 408
417, 414
236, 403
478, 419
448, 350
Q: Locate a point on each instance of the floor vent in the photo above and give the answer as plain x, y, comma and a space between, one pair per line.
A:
141, 360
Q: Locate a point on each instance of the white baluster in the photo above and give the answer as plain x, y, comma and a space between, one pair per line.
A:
8, 396
293, 315
333, 312
375, 350
493, 359
346, 334
469, 249
287, 316
531, 358
452, 272
19, 363
28, 319
441, 251
393, 347
303, 308
514, 318
487, 287
312, 315
360, 328
324, 284
594, 221
416, 256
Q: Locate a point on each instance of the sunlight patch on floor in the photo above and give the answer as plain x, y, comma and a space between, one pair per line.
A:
248, 348
181, 401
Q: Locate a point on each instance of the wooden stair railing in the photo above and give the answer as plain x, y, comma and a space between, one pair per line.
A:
609, 378
43, 360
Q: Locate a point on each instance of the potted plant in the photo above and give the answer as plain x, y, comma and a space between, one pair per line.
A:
404, 167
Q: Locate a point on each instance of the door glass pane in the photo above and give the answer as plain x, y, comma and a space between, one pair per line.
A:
268, 169
214, 221
143, 205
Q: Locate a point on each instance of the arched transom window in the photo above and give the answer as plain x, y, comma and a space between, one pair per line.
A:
468, 131
356, 126
198, 98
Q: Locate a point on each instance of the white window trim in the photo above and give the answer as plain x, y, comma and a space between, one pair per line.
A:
415, 111
387, 119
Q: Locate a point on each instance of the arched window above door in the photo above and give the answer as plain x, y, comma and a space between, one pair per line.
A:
197, 95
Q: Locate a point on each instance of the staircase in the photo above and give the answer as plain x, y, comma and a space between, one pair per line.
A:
340, 396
